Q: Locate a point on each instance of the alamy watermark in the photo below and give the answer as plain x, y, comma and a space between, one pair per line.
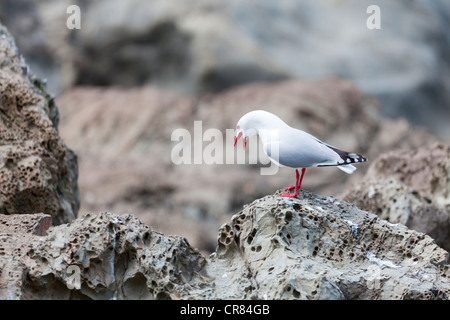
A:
74, 19
212, 147
374, 20
73, 277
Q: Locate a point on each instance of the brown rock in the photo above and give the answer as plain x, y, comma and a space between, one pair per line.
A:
18, 235
38, 173
425, 169
411, 187
37, 223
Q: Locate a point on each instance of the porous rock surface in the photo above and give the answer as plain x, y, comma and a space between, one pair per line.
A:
323, 248
411, 187
18, 233
38, 173
310, 247
104, 256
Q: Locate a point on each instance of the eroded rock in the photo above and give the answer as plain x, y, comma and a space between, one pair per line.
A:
18, 234
36, 224
38, 173
323, 248
310, 247
411, 187
104, 256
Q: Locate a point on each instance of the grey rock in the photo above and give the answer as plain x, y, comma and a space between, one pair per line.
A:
310, 247
104, 256
323, 248
411, 187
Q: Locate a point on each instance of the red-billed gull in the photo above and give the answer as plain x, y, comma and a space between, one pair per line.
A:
290, 147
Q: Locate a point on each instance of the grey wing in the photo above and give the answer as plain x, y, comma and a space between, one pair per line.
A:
298, 149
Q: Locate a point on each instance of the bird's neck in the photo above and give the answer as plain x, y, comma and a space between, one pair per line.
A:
268, 135
269, 129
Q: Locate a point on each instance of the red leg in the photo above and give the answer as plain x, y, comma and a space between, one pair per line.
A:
297, 183
301, 179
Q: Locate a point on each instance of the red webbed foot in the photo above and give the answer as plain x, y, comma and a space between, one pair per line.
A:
297, 186
290, 195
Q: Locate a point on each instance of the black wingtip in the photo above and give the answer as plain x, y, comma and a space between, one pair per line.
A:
348, 157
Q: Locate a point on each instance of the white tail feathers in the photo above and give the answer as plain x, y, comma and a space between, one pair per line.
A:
347, 168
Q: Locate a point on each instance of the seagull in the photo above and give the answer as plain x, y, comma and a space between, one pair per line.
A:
289, 147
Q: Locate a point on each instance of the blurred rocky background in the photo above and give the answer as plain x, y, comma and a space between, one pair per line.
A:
137, 70
199, 46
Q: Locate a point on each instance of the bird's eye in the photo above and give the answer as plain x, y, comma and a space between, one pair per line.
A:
238, 127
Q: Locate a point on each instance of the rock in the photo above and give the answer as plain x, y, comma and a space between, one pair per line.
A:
312, 247
38, 173
411, 187
426, 169
18, 234
134, 142
104, 256
206, 46
36, 224
323, 248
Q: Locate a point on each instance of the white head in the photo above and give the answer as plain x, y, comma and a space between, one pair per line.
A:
251, 123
